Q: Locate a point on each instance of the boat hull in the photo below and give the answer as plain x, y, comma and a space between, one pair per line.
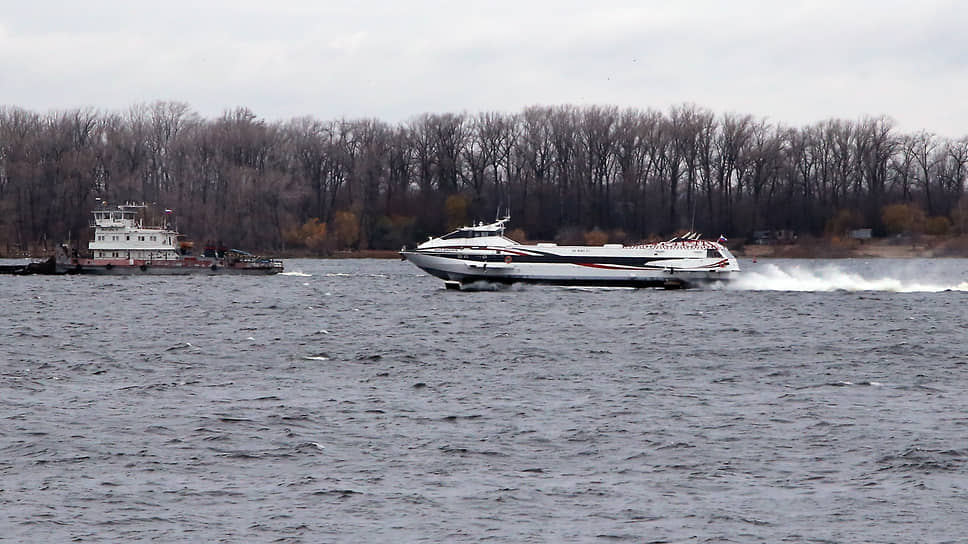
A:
167, 268
48, 266
458, 270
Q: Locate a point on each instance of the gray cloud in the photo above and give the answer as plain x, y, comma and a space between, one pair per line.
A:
794, 62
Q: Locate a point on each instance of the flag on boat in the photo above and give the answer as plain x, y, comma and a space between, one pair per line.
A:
167, 211
722, 239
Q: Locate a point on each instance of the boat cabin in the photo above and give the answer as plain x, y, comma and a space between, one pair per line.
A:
120, 233
491, 234
472, 232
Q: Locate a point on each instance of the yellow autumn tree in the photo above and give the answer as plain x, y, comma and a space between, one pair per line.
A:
900, 218
843, 221
455, 209
938, 225
311, 235
345, 229
596, 237
518, 235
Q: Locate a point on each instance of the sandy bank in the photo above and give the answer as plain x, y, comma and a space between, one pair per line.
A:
891, 248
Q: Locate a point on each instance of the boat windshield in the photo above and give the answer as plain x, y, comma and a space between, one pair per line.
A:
468, 233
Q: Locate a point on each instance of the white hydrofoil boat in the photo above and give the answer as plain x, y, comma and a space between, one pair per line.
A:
482, 253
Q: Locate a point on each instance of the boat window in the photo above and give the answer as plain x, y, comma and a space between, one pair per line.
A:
713, 254
456, 234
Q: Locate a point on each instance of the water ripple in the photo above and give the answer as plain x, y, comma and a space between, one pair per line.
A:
359, 401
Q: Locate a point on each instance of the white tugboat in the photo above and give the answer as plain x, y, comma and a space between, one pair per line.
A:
482, 253
123, 244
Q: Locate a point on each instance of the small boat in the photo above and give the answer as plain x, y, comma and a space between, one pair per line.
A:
123, 244
48, 266
482, 253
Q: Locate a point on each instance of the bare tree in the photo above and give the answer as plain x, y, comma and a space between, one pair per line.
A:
242, 179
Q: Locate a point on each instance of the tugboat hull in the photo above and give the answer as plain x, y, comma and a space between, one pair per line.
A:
168, 268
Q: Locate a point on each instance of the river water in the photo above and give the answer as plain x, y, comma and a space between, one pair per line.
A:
360, 401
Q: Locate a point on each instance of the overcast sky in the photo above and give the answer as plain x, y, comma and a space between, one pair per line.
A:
794, 62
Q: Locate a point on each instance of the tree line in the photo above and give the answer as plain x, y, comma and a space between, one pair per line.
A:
559, 171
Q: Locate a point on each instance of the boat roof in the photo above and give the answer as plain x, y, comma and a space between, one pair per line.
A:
497, 225
475, 231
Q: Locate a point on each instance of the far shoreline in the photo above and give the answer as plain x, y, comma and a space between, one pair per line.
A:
912, 247
921, 247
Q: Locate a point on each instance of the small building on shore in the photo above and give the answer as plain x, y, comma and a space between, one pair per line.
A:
774, 236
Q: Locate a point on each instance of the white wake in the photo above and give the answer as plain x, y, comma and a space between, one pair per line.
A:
771, 277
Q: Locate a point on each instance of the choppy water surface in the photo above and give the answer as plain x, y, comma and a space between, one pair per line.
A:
359, 401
